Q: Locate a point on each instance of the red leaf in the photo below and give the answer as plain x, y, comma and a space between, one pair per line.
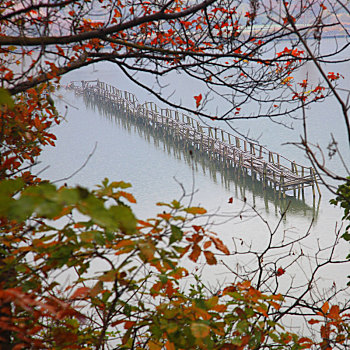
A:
230, 200
280, 271
80, 292
197, 228
129, 324
198, 100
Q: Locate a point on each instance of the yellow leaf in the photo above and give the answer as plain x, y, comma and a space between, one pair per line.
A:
210, 303
108, 276
200, 330
172, 327
96, 289
147, 250
154, 345
195, 210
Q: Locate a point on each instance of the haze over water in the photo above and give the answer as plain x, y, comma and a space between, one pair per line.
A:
156, 169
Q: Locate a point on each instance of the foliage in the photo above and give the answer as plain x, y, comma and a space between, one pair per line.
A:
135, 298
24, 125
246, 47
343, 199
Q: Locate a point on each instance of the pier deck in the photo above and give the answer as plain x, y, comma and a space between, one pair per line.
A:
232, 150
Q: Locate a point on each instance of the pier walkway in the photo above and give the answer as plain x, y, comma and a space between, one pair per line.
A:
232, 150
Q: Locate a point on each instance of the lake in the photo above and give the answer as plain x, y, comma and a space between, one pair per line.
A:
160, 171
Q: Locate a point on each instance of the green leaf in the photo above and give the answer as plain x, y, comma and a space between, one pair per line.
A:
163, 278
346, 236
176, 204
176, 234
125, 218
6, 98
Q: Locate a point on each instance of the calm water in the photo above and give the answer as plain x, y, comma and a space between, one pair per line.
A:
156, 168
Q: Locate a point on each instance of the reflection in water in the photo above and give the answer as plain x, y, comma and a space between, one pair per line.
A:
234, 178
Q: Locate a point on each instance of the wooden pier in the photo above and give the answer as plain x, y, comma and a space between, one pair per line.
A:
233, 151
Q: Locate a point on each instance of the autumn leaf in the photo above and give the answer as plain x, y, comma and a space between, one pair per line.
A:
196, 251
219, 245
197, 228
129, 324
195, 210
209, 256
169, 345
313, 321
80, 293
274, 304
280, 271
200, 330
325, 307
6, 99
127, 196
154, 345
334, 312
207, 244
198, 100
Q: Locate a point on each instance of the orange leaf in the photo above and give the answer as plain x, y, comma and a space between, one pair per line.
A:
325, 307
334, 312
211, 260
124, 243
207, 244
220, 308
304, 340
219, 245
244, 285
277, 297
117, 13
198, 312
165, 216
127, 196
229, 289
197, 228
275, 305
262, 311
313, 321
169, 345
196, 251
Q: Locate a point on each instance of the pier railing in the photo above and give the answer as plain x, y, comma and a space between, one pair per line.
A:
270, 166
